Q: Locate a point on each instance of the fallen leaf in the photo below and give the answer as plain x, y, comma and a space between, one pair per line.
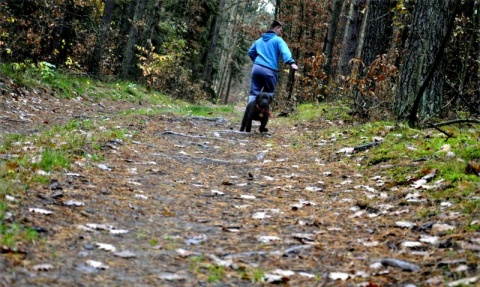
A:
106, 247
405, 224
308, 275
172, 276
285, 273
220, 262
464, 281
275, 278
125, 254
217, 192
183, 252
39, 210
338, 276
42, 267
268, 238
195, 240
313, 188
440, 227
96, 264
74, 203
99, 226
261, 215
404, 265
429, 239
141, 196
411, 244
118, 231
347, 150
103, 167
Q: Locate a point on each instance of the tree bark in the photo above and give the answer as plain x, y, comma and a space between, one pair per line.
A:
209, 62
377, 31
420, 92
128, 60
350, 40
145, 17
96, 59
330, 39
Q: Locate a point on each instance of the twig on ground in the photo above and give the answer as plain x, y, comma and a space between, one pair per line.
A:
365, 146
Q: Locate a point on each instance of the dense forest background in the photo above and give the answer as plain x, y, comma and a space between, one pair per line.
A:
415, 61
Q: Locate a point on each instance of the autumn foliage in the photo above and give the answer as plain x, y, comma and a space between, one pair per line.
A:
197, 49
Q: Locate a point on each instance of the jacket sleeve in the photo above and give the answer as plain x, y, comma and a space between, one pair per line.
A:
285, 51
252, 52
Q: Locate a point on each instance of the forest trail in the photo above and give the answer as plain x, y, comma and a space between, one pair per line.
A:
189, 201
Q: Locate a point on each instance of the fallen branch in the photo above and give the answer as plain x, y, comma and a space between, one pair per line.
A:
365, 146
458, 121
404, 265
440, 130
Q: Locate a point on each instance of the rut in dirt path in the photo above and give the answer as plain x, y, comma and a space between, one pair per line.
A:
193, 202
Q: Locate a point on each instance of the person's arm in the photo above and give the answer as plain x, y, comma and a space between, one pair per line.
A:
287, 55
252, 52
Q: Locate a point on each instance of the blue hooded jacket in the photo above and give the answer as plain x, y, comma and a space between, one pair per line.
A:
266, 50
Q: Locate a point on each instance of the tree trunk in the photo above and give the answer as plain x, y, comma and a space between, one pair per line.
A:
378, 31
362, 31
145, 17
295, 53
476, 100
352, 33
96, 59
128, 60
428, 32
330, 39
209, 62
227, 94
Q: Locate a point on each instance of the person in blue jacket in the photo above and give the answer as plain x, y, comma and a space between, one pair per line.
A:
265, 54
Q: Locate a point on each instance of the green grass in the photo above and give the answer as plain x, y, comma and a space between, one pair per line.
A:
323, 110
215, 273
53, 160
258, 275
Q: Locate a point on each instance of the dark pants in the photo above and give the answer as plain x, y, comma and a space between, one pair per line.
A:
262, 78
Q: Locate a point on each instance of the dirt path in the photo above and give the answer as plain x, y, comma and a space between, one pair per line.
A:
191, 202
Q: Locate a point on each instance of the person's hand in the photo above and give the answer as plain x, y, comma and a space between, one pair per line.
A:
294, 66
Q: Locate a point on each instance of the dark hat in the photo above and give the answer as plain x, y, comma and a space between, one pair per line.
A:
276, 23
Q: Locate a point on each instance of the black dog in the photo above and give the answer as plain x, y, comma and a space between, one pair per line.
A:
257, 110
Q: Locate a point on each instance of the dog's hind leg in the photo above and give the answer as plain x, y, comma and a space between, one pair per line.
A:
244, 122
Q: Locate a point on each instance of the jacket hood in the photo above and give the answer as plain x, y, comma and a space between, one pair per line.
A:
269, 35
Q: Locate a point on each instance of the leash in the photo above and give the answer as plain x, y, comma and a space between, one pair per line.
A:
265, 111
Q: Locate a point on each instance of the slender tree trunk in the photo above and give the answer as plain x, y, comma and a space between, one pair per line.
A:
295, 53
208, 70
142, 26
96, 60
363, 30
330, 39
63, 35
128, 61
352, 34
227, 94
